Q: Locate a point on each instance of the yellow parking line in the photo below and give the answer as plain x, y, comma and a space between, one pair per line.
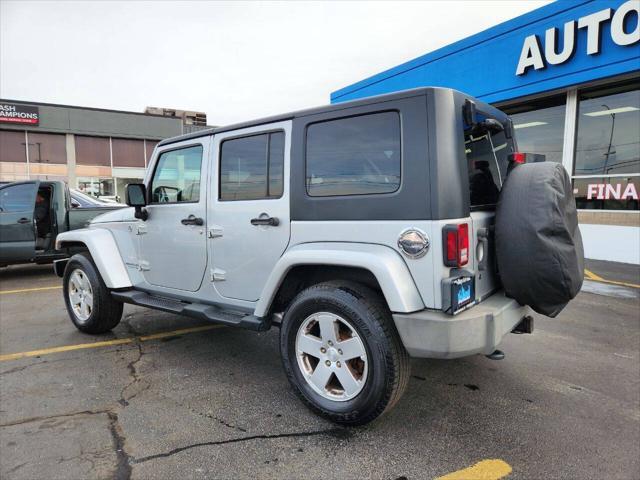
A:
592, 276
484, 470
596, 278
107, 343
623, 284
24, 290
66, 348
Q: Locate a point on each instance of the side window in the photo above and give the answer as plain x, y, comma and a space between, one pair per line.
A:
252, 168
18, 198
354, 156
177, 176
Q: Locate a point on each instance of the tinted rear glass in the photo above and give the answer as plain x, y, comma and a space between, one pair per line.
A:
354, 156
487, 160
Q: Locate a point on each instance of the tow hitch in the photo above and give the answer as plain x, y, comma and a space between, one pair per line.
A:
496, 355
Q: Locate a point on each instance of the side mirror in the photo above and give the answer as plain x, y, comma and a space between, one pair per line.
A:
75, 204
136, 196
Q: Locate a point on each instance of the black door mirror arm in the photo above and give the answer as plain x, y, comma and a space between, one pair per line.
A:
141, 213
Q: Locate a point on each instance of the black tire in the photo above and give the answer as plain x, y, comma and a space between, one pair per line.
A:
387, 361
105, 312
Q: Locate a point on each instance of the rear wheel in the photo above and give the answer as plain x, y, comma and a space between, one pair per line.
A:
342, 354
88, 300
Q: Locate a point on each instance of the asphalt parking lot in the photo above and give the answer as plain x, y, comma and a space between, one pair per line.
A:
168, 397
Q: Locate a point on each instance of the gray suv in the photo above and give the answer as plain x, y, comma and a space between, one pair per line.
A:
368, 231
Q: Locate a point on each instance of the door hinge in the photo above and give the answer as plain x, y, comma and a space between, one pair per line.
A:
143, 266
217, 275
141, 229
215, 231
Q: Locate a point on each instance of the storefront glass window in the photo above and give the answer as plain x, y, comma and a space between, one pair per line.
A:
607, 161
96, 187
607, 193
609, 131
539, 126
121, 187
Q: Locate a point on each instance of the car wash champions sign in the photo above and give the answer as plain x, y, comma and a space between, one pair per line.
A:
561, 44
19, 114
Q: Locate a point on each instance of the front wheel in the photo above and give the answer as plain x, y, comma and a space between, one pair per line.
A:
342, 353
88, 300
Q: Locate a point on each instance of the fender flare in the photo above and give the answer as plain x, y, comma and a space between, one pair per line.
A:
396, 282
104, 251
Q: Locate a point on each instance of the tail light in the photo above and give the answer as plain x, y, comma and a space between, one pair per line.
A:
518, 157
463, 244
456, 243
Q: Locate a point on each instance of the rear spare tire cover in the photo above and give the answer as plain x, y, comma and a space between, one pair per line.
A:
538, 242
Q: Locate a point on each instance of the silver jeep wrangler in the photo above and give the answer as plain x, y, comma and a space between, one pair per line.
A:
364, 230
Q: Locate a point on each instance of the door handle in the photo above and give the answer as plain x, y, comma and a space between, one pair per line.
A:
269, 221
24, 220
192, 220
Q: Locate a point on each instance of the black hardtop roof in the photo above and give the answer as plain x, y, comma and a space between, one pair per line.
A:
414, 92
300, 113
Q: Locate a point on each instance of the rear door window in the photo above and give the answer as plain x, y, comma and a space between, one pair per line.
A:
252, 167
487, 158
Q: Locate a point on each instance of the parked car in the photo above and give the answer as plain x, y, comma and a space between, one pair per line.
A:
405, 225
82, 200
33, 213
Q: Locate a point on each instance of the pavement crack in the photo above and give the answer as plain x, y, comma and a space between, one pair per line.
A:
136, 380
221, 421
16, 468
20, 369
123, 465
51, 417
208, 415
331, 432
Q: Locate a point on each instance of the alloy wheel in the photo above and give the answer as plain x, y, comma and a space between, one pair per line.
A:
331, 356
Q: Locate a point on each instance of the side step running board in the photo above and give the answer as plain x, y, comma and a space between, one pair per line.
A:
194, 310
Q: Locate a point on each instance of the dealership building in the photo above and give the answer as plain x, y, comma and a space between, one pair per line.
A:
95, 150
569, 75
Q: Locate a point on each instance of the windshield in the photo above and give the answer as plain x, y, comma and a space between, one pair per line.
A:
86, 201
487, 160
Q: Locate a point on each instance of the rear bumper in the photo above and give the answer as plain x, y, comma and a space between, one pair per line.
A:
433, 334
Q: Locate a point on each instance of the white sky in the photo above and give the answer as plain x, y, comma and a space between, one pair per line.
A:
235, 61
